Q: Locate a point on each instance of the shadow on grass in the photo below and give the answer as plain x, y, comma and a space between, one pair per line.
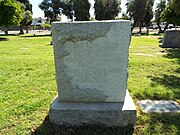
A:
145, 34
173, 54
3, 39
9, 35
171, 81
29, 36
47, 128
164, 123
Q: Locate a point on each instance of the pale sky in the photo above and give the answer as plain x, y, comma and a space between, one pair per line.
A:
37, 12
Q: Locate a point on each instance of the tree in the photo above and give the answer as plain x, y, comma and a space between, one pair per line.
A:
148, 14
175, 4
136, 10
78, 8
81, 9
45, 5
158, 10
52, 8
28, 5
170, 15
26, 21
10, 14
107, 9
27, 15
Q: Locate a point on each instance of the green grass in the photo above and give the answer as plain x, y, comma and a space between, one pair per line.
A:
153, 71
27, 86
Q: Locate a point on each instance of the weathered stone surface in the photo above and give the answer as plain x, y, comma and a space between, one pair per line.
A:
103, 114
171, 39
91, 60
159, 106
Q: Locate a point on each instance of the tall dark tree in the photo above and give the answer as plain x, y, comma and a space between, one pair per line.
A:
130, 8
81, 9
148, 14
28, 5
159, 9
78, 8
53, 8
57, 8
136, 10
27, 15
46, 6
107, 9
10, 14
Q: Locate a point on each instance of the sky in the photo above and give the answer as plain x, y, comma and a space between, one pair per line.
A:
37, 12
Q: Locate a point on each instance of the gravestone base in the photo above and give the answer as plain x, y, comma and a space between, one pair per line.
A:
89, 114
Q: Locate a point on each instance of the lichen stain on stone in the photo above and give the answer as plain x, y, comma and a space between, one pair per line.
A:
77, 94
68, 89
74, 43
83, 32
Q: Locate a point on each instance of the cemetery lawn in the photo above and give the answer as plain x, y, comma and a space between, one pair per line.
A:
27, 86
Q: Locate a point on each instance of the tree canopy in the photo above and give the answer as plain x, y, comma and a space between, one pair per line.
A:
26, 7
158, 10
171, 13
81, 9
46, 6
107, 9
78, 8
148, 13
175, 4
137, 10
10, 13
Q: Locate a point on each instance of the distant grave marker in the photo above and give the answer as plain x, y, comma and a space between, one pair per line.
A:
159, 106
171, 39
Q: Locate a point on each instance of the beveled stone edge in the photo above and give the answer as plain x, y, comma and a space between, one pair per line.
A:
126, 112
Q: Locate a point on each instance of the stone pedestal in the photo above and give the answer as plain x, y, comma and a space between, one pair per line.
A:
102, 114
171, 39
91, 61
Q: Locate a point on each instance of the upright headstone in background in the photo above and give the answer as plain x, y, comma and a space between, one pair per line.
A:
91, 61
171, 39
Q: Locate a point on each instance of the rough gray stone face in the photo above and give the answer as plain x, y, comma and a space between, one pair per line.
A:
171, 39
91, 60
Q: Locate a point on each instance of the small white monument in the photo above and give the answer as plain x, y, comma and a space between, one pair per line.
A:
91, 61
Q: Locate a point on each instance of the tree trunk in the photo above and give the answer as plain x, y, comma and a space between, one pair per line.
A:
162, 31
147, 32
27, 31
5, 30
21, 30
140, 26
165, 27
159, 27
134, 24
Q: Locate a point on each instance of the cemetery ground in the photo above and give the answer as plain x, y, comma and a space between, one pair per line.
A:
27, 86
